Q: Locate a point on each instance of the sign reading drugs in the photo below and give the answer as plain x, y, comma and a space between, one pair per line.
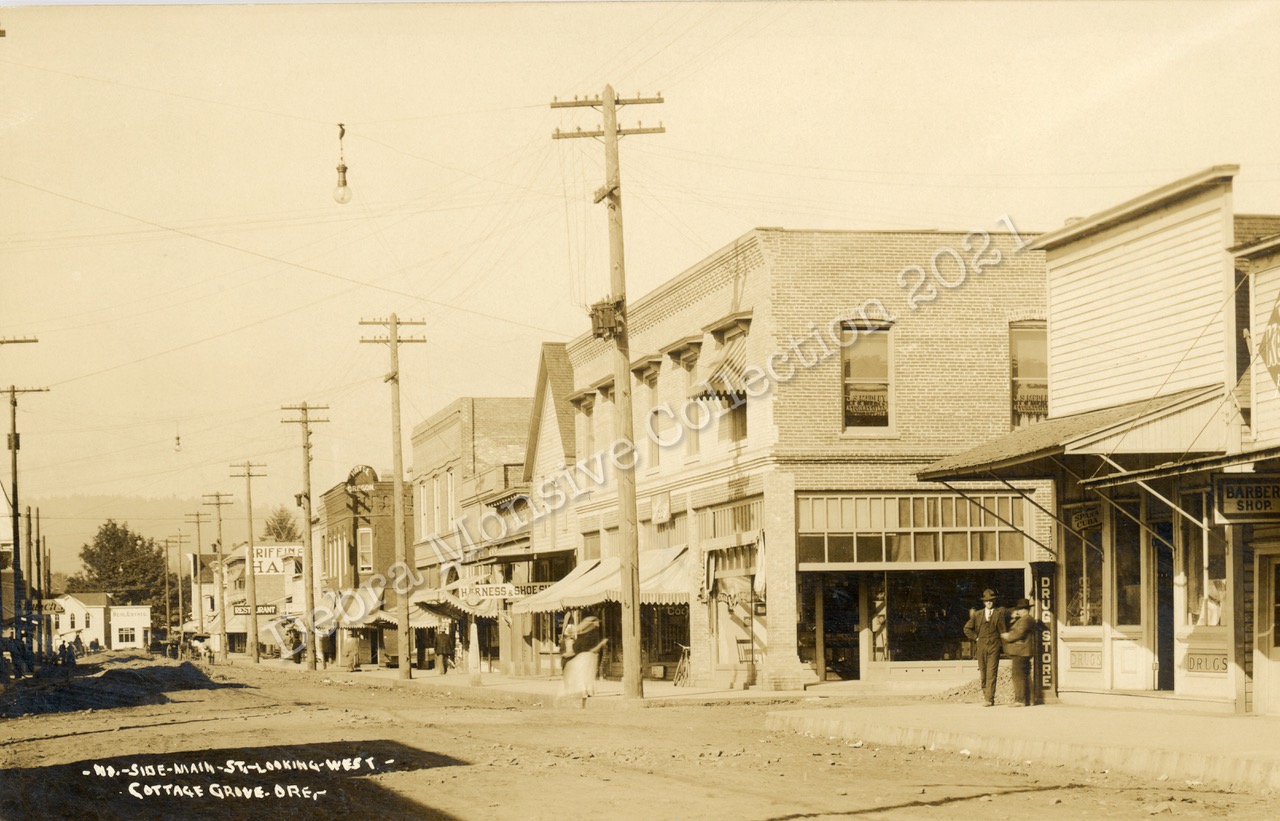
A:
1246, 497
272, 558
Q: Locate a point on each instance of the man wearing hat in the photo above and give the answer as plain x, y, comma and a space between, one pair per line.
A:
1017, 646
983, 629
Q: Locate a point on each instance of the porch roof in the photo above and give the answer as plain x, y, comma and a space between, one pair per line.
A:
1023, 452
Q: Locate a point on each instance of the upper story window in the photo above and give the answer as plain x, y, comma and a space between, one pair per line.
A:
588, 427
364, 549
450, 501
867, 360
1028, 372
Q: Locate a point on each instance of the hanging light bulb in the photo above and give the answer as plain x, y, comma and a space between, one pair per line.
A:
341, 194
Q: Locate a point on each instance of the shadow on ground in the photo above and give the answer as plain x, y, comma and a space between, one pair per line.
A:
118, 681
306, 781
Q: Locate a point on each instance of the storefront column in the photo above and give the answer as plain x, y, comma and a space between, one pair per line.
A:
700, 639
782, 667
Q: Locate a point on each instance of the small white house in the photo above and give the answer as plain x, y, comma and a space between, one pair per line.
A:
95, 616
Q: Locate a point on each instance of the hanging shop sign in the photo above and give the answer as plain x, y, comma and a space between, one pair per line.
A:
1239, 498
1087, 517
481, 592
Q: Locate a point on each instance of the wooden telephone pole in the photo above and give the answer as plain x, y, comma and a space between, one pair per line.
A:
220, 586
197, 595
308, 572
609, 320
19, 625
251, 588
393, 340
180, 540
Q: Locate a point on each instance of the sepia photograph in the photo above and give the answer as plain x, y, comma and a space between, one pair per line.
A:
911, 450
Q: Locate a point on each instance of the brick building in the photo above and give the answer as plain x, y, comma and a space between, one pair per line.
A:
786, 391
467, 457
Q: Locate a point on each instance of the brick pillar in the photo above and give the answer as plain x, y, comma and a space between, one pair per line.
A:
782, 669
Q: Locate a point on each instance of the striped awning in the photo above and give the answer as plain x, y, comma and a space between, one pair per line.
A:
664, 579
722, 377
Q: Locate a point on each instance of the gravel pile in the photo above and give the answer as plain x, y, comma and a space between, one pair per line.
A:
125, 680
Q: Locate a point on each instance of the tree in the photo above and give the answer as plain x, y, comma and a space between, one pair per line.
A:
129, 567
280, 526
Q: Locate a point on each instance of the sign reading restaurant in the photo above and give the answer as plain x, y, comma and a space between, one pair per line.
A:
1246, 497
243, 610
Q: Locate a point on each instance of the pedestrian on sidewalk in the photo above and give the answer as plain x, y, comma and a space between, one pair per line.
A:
580, 658
983, 629
1017, 646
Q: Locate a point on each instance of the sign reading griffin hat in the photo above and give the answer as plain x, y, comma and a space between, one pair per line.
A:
1246, 497
362, 478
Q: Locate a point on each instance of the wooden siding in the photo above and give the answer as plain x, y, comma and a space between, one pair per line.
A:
1137, 311
1266, 397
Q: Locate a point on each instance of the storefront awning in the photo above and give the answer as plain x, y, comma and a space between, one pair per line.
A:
446, 604
723, 376
1177, 423
664, 579
549, 600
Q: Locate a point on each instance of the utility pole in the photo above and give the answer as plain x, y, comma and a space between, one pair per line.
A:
197, 596
220, 499
168, 611
41, 590
26, 586
251, 588
609, 320
180, 540
393, 340
14, 443
308, 567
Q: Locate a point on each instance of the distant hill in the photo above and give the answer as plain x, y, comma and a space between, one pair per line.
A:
69, 522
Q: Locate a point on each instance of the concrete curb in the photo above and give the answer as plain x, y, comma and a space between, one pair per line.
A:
1232, 772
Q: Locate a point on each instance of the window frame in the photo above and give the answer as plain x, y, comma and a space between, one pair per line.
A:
890, 428
1025, 327
361, 565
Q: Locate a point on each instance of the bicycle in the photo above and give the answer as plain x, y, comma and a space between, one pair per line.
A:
682, 668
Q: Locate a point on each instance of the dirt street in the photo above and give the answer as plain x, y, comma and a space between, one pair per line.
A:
251, 743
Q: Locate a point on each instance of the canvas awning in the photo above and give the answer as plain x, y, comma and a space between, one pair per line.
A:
664, 579
1178, 423
446, 604
549, 600
418, 617
723, 378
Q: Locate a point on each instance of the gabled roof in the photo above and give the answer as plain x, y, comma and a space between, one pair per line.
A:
555, 374
91, 599
1053, 437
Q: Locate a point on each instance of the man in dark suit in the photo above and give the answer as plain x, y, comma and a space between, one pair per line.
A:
983, 629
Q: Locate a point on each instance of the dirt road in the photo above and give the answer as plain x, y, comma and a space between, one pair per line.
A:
254, 743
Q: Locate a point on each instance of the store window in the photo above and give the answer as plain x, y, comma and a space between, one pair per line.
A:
1126, 549
1204, 563
126, 635
925, 613
867, 360
1028, 372
1082, 565
364, 549
908, 529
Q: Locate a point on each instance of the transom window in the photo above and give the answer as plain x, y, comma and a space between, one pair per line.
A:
910, 528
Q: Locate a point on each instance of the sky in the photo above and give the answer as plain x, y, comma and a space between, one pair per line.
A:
168, 230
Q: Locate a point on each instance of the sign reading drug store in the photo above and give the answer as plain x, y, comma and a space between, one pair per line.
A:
1246, 497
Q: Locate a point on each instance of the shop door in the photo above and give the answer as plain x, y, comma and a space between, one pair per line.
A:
1132, 660
1268, 656
1163, 551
